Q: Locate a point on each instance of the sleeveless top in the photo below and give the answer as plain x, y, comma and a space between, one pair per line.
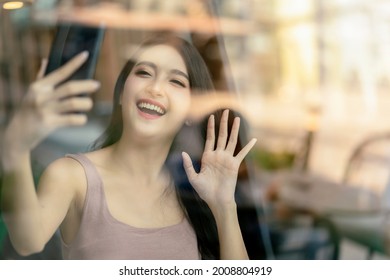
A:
102, 237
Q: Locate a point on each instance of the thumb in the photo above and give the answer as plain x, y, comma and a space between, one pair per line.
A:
188, 167
246, 149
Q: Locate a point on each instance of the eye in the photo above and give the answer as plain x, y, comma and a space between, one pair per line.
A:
143, 73
178, 82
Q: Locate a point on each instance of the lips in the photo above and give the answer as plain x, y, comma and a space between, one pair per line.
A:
151, 108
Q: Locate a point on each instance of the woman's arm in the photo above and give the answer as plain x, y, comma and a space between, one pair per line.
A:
216, 183
32, 217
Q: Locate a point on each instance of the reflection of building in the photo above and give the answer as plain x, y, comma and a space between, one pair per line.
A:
343, 44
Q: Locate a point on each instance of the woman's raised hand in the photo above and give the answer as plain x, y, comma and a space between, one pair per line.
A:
49, 104
216, 181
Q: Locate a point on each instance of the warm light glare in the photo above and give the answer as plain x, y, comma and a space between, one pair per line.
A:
12, 5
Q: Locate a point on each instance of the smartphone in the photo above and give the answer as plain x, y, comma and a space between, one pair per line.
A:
70, 39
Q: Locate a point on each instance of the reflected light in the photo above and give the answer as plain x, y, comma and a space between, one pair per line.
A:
117, 17
13, 5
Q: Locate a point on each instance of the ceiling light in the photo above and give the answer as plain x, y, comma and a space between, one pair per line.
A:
13, 5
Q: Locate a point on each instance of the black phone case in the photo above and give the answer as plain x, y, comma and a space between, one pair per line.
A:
71, 39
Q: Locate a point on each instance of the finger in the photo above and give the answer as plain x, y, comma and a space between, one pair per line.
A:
73, 88
244, 151
210, 138
76, 119
42, 69
223, 131
232, 143
66, 70
188, 167
75, 104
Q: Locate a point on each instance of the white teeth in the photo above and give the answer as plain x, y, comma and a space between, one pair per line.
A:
151, 107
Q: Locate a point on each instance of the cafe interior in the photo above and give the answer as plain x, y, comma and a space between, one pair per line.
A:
310, 80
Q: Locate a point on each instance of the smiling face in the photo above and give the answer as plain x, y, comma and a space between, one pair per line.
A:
156, 96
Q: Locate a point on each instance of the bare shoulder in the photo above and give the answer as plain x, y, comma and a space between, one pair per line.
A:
65, 173
64, 168
70, 169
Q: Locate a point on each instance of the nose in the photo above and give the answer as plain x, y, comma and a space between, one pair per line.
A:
156, 88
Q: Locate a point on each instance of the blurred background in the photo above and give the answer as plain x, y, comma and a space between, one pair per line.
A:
310, 78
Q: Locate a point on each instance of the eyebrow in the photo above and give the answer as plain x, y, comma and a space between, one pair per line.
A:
154, 66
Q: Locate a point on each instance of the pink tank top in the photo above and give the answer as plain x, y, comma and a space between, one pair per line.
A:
102, 237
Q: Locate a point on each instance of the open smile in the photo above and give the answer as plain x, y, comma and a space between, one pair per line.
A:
150, 109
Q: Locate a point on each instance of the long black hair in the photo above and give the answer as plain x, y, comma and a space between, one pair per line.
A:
195, 209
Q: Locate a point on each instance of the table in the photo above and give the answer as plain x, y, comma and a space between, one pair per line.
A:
371, 229
357, 213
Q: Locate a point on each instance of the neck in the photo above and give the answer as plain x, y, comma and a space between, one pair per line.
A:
143, 160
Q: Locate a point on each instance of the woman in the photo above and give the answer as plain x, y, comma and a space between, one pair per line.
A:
120, 201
